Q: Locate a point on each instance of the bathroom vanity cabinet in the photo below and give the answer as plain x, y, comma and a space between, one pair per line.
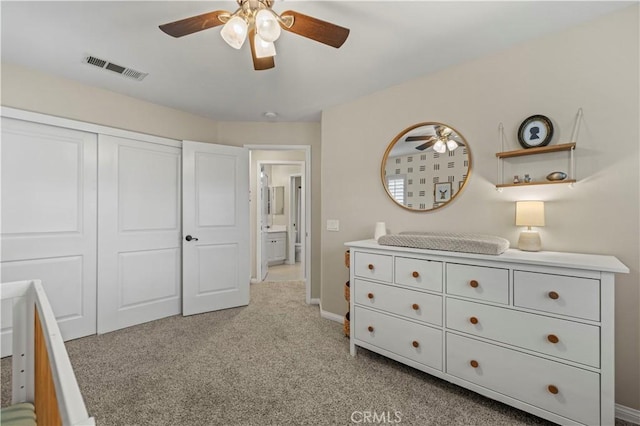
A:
532, 330
276, 247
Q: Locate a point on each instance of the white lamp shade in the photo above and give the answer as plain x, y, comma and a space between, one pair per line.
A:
264, 49
451, 144
440, 147
529, 213
234, 32
267, 25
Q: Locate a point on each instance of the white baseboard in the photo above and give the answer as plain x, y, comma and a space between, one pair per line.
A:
627, 414
330, 315
314, 301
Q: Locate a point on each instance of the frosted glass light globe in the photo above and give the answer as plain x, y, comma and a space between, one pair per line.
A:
263, 49
452, 145
440, 147
234, 32
267, 25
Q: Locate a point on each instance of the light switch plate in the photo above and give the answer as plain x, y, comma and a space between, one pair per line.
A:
333, 225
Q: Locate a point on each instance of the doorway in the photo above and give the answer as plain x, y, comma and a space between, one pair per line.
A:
280, 210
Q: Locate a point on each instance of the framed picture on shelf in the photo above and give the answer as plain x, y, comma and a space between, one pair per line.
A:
442, 192
535, 131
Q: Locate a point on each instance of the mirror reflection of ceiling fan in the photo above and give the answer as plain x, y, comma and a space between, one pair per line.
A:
443, 139
255, 20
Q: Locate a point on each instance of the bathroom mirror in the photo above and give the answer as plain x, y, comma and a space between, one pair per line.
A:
426, 166
276, 200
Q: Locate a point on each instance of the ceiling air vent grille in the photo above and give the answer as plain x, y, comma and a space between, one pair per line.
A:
119, 69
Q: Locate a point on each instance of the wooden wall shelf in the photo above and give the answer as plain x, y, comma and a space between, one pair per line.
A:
540, 150
546, 182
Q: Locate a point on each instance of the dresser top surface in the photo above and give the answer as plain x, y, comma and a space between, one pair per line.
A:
591, 262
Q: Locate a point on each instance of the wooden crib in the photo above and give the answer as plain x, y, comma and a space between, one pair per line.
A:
41, 371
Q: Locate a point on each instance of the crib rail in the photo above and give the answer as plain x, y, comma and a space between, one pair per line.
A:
41, 369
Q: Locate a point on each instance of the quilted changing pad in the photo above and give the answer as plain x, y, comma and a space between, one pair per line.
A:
448, 241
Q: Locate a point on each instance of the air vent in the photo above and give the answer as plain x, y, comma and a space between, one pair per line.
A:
118, 69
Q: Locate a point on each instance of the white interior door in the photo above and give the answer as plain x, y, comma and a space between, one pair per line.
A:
49, 192
215, 245
139, 230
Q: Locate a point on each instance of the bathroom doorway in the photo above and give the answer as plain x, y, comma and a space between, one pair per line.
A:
280, 207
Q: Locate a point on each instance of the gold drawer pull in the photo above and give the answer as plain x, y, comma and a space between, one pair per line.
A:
553, 295
553, 338
553, 389
370, 328
416, 344
474, 283
370, 295
371, 266
473, 320
415, 274
474, 363
415, 306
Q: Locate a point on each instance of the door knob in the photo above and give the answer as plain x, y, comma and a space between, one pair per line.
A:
189, 238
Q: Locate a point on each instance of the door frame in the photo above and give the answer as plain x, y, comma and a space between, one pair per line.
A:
306, 247
291, 239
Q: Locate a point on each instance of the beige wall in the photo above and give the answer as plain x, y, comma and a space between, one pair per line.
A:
34, 91
593, 66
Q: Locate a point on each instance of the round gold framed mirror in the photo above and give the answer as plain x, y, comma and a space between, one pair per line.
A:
426, 166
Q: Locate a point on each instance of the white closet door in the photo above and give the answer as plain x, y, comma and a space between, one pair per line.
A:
139, 223
216, 227
49, 220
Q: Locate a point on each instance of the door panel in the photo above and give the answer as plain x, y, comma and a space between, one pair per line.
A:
49, 192
216, 215
139, 269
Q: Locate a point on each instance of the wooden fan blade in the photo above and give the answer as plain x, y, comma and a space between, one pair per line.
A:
316, 29
259, 64
418, 138
425, 145
194, 24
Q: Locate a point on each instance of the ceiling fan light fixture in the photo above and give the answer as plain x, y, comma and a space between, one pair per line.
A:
440, 147
234, 32
451, 144
264, 49
267, 25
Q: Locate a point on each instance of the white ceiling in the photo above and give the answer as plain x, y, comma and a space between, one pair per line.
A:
390, 42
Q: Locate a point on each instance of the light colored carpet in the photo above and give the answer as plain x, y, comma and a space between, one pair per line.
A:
274, 362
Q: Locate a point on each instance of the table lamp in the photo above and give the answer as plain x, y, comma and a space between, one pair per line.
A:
529, 213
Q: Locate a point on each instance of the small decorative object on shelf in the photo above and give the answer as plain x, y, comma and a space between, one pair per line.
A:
516, 179
535, 131
527, 179
556, 176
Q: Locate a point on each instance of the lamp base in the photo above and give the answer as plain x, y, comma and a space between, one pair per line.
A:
529, 241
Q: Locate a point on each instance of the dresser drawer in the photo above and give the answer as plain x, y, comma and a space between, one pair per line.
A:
412, 304
571, 296
527, 378
576, 342
414, 341
373, 266
478, 282
418, 273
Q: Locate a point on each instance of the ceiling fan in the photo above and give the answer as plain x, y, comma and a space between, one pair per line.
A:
443, 139
256, 20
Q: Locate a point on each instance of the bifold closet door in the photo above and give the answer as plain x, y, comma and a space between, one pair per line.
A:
49, 220
139, 232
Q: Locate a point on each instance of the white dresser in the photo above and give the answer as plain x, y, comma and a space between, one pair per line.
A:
532, 330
